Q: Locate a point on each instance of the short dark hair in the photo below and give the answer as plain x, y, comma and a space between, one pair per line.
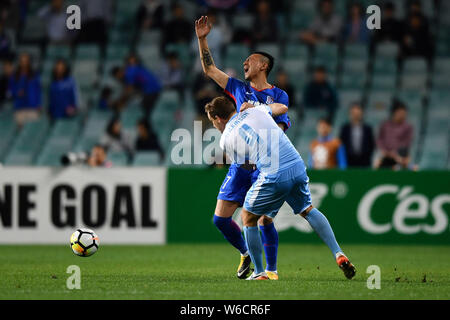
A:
115, 70
398, 105
327, 120
220, 107
270, 58
320, 68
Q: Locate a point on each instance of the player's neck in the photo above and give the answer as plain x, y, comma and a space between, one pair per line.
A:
260, 84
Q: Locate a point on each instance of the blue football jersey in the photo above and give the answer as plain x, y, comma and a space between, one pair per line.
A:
242, 92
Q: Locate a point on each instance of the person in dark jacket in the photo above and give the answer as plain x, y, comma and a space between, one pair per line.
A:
63, 92
147, 140
358, 139
319, 93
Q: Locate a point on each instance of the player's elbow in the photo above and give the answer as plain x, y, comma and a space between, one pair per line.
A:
281, 109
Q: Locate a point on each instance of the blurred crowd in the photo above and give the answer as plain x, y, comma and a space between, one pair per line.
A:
356, 142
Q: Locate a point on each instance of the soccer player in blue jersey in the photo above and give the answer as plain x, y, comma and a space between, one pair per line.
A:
239, 178
252, 136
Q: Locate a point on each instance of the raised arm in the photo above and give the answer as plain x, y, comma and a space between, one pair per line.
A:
277, 108
202, 29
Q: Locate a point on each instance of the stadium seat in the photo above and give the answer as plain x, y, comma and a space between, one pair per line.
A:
378, 106
117, 52
412, 98
435, 152
383, 82
58, 51
151, 158
237, 52
27, 143
352, 81
34, 30
387, 50
347, 97
415, 66
356, 51
7, 133
296, 51
118, 159
242, 21
87, 52
413, 82
354, 66
147, 37
385, 66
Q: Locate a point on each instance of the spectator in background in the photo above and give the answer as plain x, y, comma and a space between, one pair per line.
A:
7, 72
12, 16
325, 27
394, 139
150, 15
136, 77
203, 90
96, 15
171, 73
266, 25
392, 27
178, 29
99, 157
320, 94
5, 44
282, 82
25, 89
326, 152
417, 39
355, 28
55, 16
357, 138
63, 92
105, 102
147, 140
115, 139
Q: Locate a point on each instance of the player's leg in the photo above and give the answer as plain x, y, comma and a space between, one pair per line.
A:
254, 244
300, 201
223, 221
265, 197
269, 236
231, 196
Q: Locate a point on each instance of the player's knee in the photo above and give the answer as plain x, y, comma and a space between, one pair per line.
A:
265, 221
220, 222
249, 219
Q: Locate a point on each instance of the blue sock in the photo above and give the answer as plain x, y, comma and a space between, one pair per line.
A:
254, 244
231, 232
269, 237
322, 227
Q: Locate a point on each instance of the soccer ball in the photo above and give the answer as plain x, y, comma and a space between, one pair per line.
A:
84, 242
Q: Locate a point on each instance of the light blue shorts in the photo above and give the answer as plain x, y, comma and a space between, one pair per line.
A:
267, 194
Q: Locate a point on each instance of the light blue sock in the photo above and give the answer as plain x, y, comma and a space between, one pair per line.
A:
322, 227
254, 245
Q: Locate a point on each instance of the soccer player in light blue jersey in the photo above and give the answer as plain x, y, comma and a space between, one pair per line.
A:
256, 90
252, 136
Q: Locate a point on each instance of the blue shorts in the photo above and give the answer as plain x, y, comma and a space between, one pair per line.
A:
236, 184
267, 195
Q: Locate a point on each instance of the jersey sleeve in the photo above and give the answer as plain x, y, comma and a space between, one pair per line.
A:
233, 88
284, 118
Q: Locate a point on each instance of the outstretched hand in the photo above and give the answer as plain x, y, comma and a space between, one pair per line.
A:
202, 27
245, 106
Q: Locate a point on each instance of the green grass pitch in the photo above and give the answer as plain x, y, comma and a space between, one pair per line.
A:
208, 272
